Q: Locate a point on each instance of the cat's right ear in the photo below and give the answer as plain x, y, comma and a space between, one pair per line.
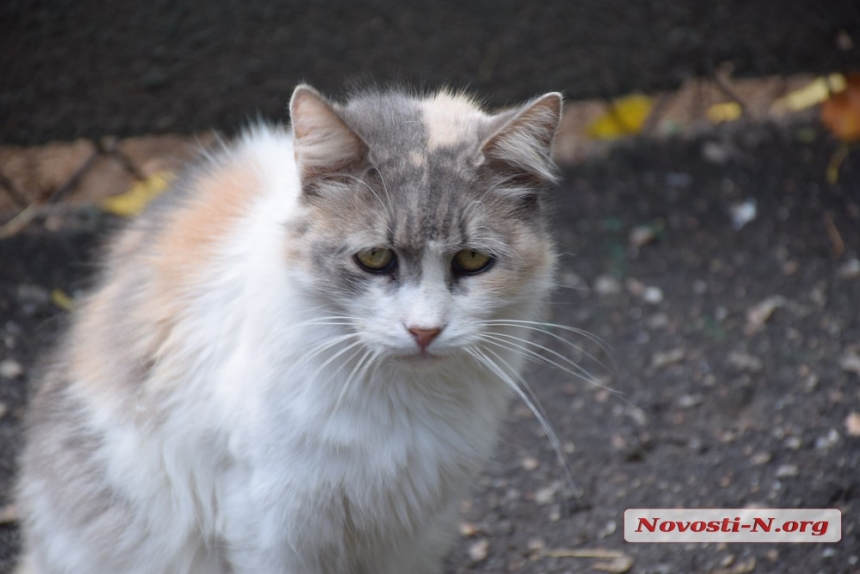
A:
325, 146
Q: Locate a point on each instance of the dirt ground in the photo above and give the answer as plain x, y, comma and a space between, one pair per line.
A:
716, 406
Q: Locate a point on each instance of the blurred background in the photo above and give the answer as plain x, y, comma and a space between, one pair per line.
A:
72, 68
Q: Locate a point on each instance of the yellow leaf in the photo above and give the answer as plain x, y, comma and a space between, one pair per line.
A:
815, 92
724, 112
61, 300
841, 113
141, 193
626, 116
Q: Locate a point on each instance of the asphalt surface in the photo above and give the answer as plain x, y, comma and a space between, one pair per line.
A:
72, 68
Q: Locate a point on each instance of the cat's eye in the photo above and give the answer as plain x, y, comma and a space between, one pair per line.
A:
470, 262
376, 259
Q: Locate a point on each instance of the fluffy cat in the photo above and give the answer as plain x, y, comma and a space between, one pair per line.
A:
297, 360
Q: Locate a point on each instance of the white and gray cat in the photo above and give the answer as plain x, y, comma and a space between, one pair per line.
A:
298, 359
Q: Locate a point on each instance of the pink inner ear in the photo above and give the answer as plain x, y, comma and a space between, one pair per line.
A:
524, 141
324, 144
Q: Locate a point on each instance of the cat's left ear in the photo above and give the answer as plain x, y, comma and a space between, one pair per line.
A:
522, 139
325, 146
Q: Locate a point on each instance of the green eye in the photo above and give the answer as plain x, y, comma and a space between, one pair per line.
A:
470, 262
376, 259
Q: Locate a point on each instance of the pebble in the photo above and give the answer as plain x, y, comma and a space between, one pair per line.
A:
545, 495
652, 295
529, 463
745, 362
607, 285
642, 235
761, 458
850, 361
11, 369
479, 550
850, 269
665, 358
688, 401
468, 529
786, 470
658, 321
759, 313
827, 441
852, 424
793, 442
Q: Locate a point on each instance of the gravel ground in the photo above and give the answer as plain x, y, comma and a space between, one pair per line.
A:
722, 404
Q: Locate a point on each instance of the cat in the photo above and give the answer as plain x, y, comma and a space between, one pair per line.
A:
297, 359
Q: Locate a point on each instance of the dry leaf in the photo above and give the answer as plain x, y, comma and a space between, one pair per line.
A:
61, 300
811, 94
758, 314
138, 197
626, 116
724, 112
841, 113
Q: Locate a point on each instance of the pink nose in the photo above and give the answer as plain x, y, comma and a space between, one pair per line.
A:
424, 336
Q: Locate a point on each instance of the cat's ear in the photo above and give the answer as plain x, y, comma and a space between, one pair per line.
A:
521, 140
325, 146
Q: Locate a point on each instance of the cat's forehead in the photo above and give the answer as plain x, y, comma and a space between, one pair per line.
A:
404, 131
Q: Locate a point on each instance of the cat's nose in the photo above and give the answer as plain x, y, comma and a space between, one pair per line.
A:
424, 336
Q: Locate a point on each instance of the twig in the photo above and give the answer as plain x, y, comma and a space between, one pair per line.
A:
12, 189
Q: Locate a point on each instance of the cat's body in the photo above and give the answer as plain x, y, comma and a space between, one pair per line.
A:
289, 363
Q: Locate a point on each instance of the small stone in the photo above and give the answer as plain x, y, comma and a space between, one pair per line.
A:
545, 495
536, 546
555, 513
652, 295
758, 314
468, 529
529, 463
790, 267
850, 361
715, 152
745, 362
850, 269
742, 213
793, 442
700, 287
607, 285
688, 401
568, 447
665, 358
11, 369
479, 550
760, 458
852, 424
786, 470
827, 441
642, 235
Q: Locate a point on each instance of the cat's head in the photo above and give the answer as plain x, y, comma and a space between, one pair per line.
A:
423, 215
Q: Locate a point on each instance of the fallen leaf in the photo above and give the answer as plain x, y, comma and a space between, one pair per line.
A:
758, 314
813, 93
61, 300
724, 112
841, 112
138, 197
625, 116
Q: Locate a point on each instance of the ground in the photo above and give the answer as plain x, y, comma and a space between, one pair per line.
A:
708, 405
712, 402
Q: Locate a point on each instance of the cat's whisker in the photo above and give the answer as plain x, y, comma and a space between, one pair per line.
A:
365, 354
539, 414
584, 375
546, 328
327, 345
514, 339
